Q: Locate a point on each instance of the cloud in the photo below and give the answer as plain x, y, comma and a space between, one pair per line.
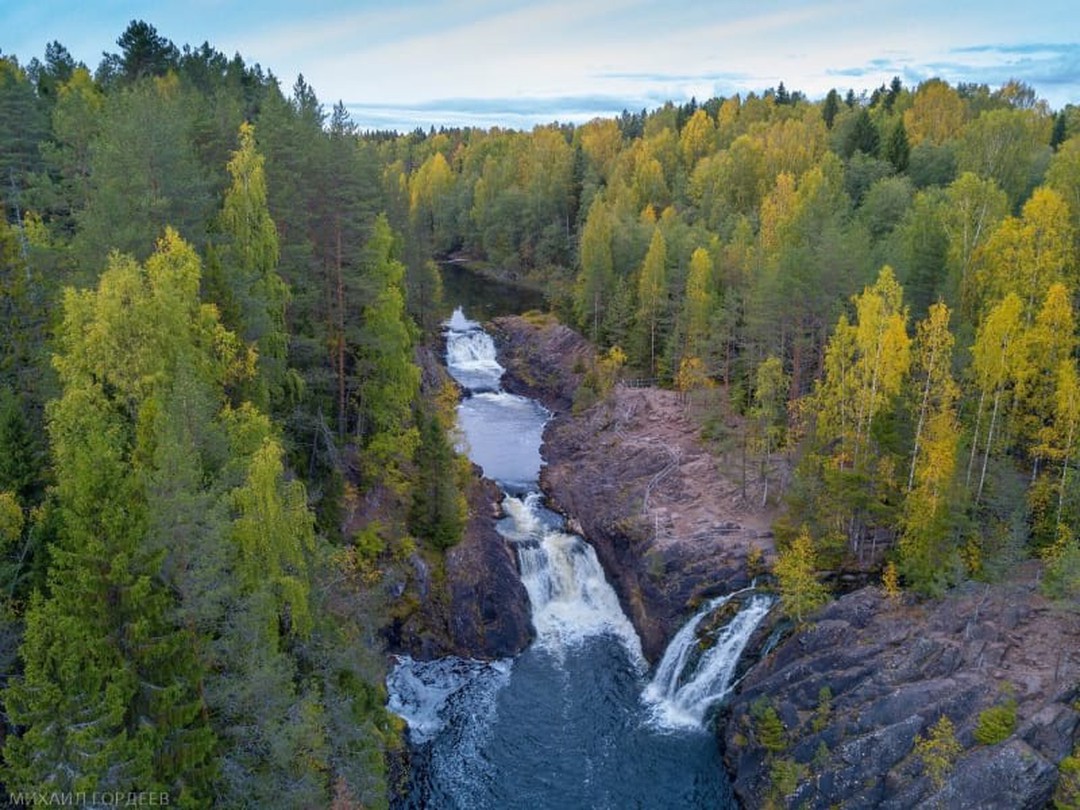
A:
563, 55
710, 76
1024, 48
1053, 69
518, 112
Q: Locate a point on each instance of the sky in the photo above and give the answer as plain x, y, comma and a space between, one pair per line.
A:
400, 64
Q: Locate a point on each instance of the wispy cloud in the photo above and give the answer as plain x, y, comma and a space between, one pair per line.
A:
1052, 69
1023, 48
523, 112
708, 76
557, 54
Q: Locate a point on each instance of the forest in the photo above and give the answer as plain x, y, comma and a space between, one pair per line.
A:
216, 439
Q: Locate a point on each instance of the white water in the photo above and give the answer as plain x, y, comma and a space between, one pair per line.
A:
571, 598
423, 693
682, 691
565, 724
470, 355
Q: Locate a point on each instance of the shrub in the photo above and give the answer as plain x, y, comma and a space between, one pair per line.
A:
996, 724
824, 709
1067, 793
785, 775
768, 728
938, 750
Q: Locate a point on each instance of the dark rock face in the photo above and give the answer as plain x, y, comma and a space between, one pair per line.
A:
856, 689
475, 606
893, 670
543, 359
488, 614
660, 578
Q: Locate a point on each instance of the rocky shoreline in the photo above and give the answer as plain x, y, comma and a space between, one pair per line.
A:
853, 690
851, 693
669, 528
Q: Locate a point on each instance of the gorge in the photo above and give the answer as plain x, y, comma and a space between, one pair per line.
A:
580, 697
891, 668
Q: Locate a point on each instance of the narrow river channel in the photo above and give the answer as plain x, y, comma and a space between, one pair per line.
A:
577, 720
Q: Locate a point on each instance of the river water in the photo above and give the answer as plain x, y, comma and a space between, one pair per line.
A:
577, 720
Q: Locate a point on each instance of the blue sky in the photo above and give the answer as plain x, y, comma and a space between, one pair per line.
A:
515, 63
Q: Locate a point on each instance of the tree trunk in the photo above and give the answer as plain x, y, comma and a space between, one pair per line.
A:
922, 421
1064, 476
975, 440
989, 442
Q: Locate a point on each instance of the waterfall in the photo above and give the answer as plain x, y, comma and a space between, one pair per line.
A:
470, 355
570, 597
564, 724
683, 690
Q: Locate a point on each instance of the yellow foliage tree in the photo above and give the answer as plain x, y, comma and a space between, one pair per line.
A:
936, 115
1027, 254
996, 359
795, 568
652, 292
700, 303
924, 539
1050, 341
697, 139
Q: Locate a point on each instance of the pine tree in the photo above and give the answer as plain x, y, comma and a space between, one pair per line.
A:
439, 509
896, 149
250, 285
389, 380
109, 697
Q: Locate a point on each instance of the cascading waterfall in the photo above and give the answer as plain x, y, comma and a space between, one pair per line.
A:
684, 689
566, 723
471, 357
569, 594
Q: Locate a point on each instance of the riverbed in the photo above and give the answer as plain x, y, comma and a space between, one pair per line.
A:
578, 719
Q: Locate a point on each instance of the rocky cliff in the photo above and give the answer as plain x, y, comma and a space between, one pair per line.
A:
469, 602
669, 527
856, 688
474, 605
830, 717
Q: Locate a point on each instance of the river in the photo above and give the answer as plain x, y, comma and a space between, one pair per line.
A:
577, 720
